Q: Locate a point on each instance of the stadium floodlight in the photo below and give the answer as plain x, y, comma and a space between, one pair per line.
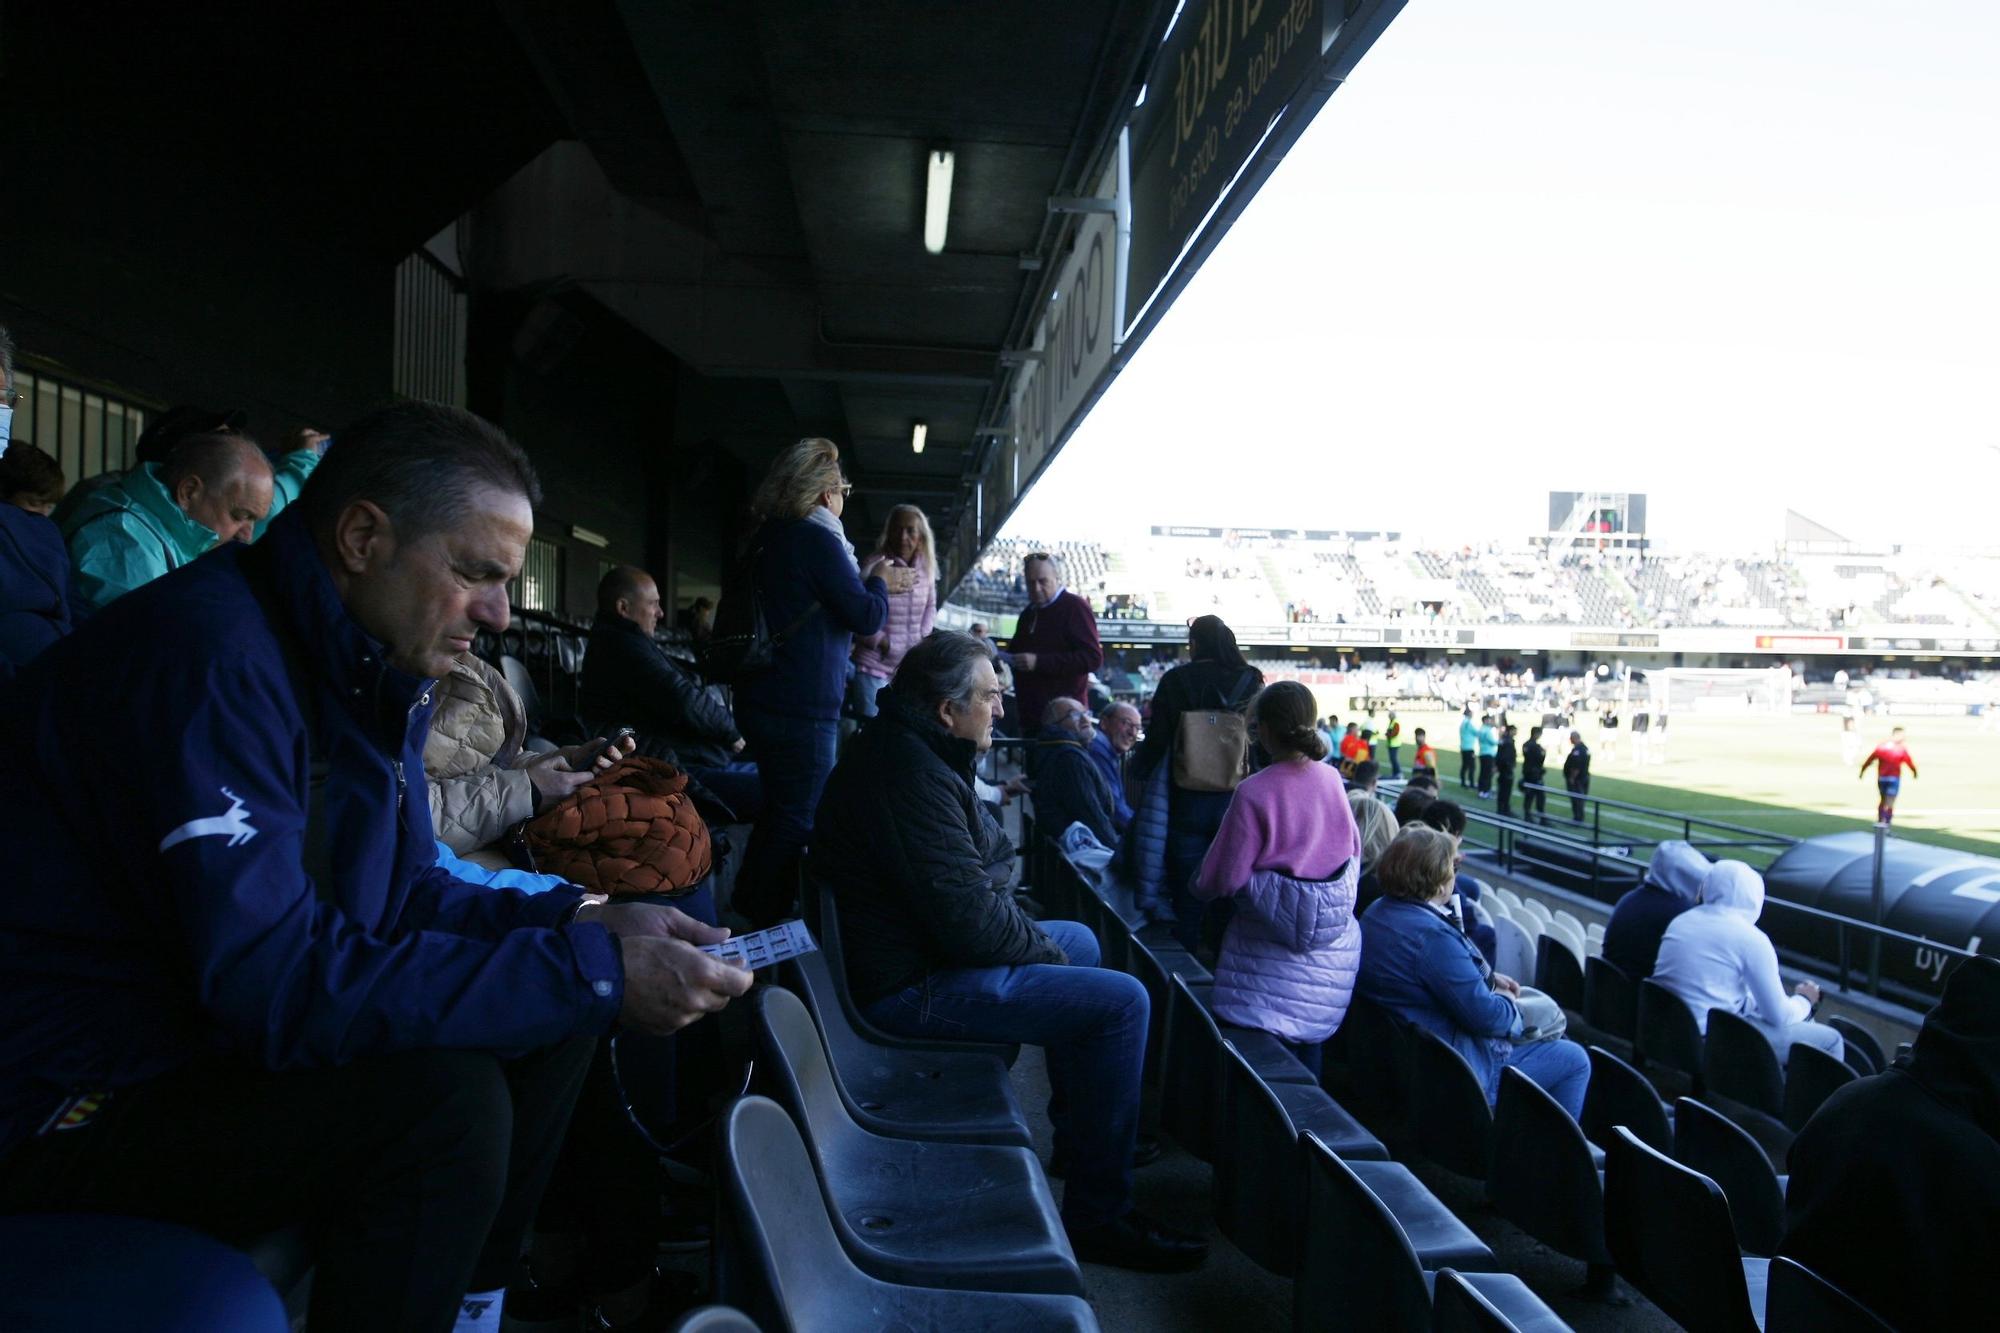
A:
937, 200
918, 433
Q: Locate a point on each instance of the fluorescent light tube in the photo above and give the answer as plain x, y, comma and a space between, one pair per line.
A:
937, 201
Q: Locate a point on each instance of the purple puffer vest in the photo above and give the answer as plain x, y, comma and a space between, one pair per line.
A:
1290, 955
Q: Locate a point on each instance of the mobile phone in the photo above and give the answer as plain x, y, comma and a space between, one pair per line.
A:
597, 750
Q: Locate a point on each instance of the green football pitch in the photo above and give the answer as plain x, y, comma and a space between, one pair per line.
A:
1781, 774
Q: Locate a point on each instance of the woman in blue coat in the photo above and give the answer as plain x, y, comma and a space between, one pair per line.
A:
1417, 963
34, 565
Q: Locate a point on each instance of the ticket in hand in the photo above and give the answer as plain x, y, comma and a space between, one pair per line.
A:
762, 948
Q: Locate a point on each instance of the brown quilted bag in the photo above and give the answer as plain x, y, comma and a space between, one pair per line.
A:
633, 829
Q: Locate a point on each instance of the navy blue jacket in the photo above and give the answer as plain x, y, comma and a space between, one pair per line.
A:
154, 778
35, 607
803, 565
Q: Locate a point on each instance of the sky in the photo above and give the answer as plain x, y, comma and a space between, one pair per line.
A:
1741, 255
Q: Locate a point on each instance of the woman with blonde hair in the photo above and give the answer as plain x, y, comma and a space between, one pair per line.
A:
1285, 856
1377, 825
905, 545
814, 600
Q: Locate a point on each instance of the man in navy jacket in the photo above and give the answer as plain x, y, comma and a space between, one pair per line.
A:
236, 991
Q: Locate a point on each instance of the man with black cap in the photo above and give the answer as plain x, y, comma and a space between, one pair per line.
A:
1895, 1189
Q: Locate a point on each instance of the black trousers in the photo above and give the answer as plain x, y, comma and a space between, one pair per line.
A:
1466, 760
1534, 802
1486, 772
1576, 800
417, 1173
1504, 785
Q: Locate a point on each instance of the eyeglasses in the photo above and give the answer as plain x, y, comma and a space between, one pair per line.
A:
846, 488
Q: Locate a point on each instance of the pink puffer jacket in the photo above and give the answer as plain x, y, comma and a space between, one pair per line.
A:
911, 615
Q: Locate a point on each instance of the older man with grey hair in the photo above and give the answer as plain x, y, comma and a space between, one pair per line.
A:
1117, 734
937, 946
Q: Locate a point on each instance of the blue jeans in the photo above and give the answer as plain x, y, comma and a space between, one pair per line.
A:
794, 757
861, 691
737, 785
1090, 1022
1561, 1067
1193, 817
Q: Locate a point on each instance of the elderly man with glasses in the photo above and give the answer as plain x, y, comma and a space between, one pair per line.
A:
1068, 786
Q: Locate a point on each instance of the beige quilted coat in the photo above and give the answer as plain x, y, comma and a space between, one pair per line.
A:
474, 758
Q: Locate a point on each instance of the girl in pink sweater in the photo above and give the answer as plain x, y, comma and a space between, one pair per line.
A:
1288, 854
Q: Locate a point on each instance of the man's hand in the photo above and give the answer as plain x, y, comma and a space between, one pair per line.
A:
1025, 661
1506, 985
554, 781
1810, 990
669, 983
651, 920
577, 757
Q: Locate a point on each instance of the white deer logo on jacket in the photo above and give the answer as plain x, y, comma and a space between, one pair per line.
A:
233, 824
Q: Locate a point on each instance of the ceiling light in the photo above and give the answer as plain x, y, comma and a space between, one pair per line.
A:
917, 434
937, 202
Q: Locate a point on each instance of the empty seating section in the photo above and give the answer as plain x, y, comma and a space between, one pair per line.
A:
1332, 579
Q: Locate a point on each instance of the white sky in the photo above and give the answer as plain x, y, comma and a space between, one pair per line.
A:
1742, 255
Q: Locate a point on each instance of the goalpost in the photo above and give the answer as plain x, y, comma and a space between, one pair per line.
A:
1720, 689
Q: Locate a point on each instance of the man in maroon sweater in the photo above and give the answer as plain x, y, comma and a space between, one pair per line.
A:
1055, 645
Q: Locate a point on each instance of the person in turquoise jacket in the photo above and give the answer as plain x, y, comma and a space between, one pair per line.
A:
214, 488
1489, 747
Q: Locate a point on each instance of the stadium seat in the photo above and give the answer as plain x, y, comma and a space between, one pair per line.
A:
1802, 1301
1514, 946
795, 1274
1377, 1065
1707, 1141
1558, 972
1509, 897
1493, 907
714, 1319
84, 1272
827, 932
1373, 1237
1620, 1095
1547, 1179
1154, 965
1667, 1032
1811, 1076
1570, 937
1453, 1123
1669, 1230
961, 1215
1610, 1000
942, 1095
1478, 1303
1192, 1100
1739, 1063
1536, 909
1561, 918
1258, 1203
1860, 1042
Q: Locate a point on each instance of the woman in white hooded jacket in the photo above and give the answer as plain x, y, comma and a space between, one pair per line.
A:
1714, 957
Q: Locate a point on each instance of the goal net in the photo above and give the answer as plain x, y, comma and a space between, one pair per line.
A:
1720, 689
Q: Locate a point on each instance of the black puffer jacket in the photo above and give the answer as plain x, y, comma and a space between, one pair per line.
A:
1069, 787
917, 865
1895, 1188
629, 681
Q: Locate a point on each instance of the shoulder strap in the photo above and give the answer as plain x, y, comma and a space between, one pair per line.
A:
259, 571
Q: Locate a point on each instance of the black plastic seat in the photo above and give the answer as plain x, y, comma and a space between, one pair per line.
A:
1738, 1062
1557, 973
1453, 1122
1707, 1141
1475, 1303
942, 1095
1373, 1237
1620, 1095
1610, 999
827, 932
1191, 1105
1811, 1076
1258, 1203
1376, 1045
1668, 1034
714, 1319
962, 1215
1802, 1301
1863, 1052
1670, 1232
1545, 1178
796, 1276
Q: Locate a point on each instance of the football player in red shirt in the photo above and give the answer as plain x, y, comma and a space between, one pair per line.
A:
1891, 757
